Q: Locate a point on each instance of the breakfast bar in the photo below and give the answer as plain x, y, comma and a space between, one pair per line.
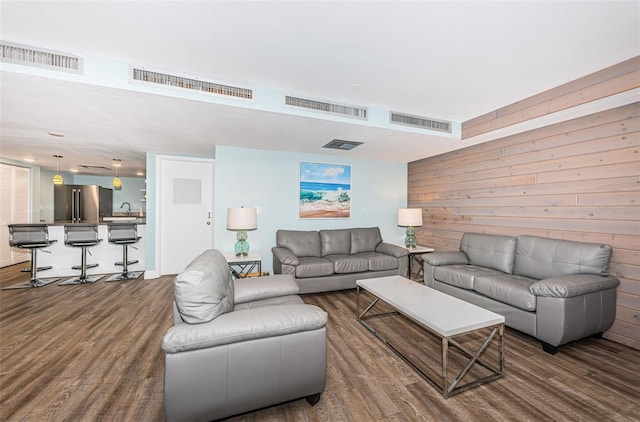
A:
62, 257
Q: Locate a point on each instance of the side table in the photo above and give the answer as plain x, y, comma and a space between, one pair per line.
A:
415, 255
249, 265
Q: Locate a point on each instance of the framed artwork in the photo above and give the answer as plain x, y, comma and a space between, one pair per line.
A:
325, 190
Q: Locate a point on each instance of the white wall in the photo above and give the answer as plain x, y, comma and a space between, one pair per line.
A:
267, 179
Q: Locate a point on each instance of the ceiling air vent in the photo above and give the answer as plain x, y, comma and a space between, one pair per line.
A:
325, 107
40, 57
90, 167
200, 85
420, 122
343, 145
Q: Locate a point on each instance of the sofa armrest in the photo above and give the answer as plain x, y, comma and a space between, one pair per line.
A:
244, 325
572, 285
393, 250
436, 259
285, 256
250, 290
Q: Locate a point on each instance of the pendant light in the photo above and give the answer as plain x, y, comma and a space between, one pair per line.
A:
117, 183
57, 179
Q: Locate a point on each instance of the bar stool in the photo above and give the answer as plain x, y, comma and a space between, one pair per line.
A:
82, 236
32, 237
124, 234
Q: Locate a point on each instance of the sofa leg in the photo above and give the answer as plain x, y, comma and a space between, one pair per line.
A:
313, 399
552, 350
598, 335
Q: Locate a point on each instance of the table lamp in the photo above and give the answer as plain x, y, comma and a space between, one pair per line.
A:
410, 218
240, 220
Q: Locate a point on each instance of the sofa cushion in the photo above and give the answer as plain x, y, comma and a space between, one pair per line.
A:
346, 264
462, 276
380, 262
335, 242
541, 257
205, 289
507, 288
365, 239
314, 267
301, 243
491, 251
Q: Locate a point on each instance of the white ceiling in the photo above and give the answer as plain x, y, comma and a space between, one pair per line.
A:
441, 59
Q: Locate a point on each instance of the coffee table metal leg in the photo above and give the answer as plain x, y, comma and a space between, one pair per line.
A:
446, 389
445, 357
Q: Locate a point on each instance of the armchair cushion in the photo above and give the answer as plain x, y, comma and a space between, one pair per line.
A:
365, 239
541, 257
243, 325
445, 258
335, 242
252, 289
392, 250
204, 289
285, 256
491, 251
572, 285
301, 243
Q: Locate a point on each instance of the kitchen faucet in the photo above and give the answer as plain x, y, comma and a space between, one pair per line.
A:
126, 203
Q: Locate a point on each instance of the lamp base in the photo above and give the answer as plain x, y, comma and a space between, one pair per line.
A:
241, 248
410, 241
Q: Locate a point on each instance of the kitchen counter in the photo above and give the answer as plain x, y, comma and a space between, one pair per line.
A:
139, 220
105, 254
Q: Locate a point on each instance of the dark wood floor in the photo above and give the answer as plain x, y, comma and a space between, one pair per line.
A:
92, 353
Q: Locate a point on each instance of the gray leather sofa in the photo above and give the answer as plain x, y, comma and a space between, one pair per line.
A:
239, 345
329, 260
557, 291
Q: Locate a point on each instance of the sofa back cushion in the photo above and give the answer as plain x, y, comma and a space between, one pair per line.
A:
335, 242
301, 243
365, 239
204, 290
541, 257
489, 250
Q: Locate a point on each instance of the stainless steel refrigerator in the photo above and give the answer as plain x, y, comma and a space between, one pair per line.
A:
82, 203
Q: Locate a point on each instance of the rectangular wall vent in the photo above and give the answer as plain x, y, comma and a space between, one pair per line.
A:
342, 144
326, 107
40, 57
166, 79
420, 122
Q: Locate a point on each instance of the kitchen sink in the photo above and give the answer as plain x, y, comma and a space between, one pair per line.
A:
120, 218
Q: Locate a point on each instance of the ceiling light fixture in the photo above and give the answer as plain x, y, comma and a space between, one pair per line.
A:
57, 179
117, 183
56, 134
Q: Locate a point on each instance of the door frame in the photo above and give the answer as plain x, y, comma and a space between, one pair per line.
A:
158, 200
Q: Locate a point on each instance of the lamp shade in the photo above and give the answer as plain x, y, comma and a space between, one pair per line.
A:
241, 219
410, 217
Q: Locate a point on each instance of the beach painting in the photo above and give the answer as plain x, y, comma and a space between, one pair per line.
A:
325, 190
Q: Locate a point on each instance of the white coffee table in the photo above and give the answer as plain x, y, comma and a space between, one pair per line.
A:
442, 315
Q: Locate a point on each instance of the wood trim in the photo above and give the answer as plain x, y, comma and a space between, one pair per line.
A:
612, 80
576, 180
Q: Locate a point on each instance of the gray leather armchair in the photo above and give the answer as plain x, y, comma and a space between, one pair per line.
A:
239, 344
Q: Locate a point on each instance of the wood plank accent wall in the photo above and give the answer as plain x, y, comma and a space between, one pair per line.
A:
612, 80
576, 180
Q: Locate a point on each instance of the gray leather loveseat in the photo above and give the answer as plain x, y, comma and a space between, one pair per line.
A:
555, 290
239, 345
329, 260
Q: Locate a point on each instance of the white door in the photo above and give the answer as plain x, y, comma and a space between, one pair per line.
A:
184, 211
14, 208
